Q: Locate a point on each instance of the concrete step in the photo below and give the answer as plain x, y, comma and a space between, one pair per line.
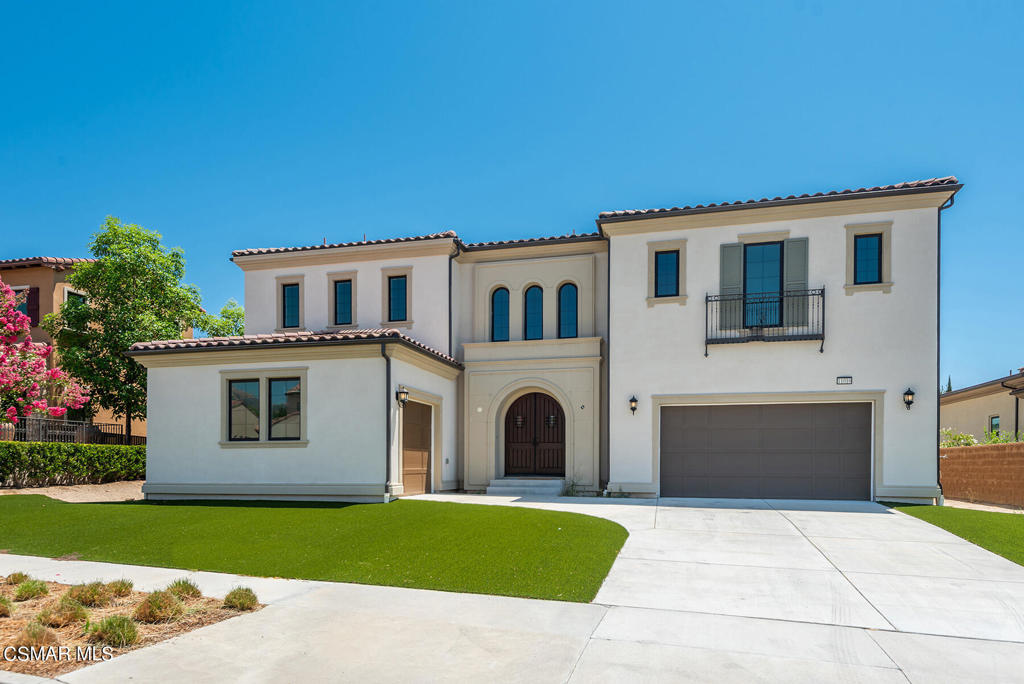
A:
525, 487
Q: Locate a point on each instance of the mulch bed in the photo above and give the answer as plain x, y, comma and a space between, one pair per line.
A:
199, 612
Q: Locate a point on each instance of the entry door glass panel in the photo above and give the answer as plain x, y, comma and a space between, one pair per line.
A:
762, 284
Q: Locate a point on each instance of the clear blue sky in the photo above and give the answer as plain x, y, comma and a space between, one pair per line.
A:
232, 125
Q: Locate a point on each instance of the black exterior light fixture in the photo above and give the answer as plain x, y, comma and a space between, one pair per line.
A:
908, 397
402, 395
633, 401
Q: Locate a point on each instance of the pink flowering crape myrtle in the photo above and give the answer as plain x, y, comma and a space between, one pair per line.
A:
26, 385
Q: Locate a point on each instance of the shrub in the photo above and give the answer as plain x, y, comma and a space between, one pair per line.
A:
116, 630
6, 607
45, 463
36, 634
93, 594
17, 578
1002, 437
160, 606
30, 589
955, 439
120, 588
241, 598
184, 588
66, 611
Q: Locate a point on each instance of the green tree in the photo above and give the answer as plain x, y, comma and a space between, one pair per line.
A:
230, 322
949, 384
133, 293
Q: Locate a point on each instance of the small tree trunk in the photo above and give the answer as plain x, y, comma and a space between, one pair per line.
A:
127, 428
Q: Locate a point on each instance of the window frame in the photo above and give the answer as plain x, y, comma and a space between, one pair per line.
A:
856, 258
996, 428
508, 313
280, 282
25, 289
853, 230
576, 310
259, 409
332, 295
653, 249
526, 312
782, 282
385, 317
264, 375
270, 399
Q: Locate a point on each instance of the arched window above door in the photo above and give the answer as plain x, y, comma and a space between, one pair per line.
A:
499, 315
568, 299
533, 313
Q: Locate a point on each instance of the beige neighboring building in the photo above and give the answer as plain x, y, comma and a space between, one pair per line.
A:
992, 406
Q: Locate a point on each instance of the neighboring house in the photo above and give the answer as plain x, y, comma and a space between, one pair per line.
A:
992, 406
752, 349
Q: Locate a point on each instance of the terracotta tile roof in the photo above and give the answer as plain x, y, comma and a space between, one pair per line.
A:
496, 244
896, 189
53, 262
387, 241
303, 338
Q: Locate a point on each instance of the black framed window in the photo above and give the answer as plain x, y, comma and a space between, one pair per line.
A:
993, 424
243, 410
568, 299
499, 315
867, 259
666, 274
397, 298
533, 313
285, 408
290, 305
342, 302
762, 284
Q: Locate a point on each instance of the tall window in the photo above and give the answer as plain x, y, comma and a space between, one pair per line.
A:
397, 298
244, 410
533, 313
762, 283
568, 297
22, 292
290, 305
993, 424
666, 274
342, 302
499, 315
285, 408
867, 259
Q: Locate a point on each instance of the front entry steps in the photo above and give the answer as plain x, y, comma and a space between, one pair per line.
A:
526, 486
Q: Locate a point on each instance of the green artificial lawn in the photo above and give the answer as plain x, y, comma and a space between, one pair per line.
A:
423, 544
1001, 533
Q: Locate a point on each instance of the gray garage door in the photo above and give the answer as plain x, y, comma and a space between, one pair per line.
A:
771, 451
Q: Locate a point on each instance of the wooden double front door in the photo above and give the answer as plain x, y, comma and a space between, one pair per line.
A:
535, 436
416, 420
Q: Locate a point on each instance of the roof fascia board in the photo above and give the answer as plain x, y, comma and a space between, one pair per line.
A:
337, 255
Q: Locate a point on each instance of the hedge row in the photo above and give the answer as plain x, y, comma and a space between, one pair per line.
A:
47, 463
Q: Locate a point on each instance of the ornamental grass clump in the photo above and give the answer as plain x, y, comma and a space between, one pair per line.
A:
120, 588
160, 606
66, 612
184, 588
93, 594
6, 607
116, 630
36, 634
241, 598
30, 589
16, 578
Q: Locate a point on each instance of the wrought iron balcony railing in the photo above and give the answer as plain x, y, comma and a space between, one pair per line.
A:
765, 317
36, 429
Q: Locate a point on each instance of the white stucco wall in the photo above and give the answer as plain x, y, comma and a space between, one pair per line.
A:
886, 341
442, 394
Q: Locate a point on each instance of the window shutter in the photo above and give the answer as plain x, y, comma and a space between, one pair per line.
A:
32, 305
795, 279
730, 310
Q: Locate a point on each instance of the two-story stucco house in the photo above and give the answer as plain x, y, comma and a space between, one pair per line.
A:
776, 348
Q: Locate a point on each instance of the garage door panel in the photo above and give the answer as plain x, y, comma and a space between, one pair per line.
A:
773, 451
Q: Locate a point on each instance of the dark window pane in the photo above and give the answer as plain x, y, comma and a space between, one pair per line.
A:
993, 424
666, 274
285, 408
867, 259
762, 264
23, 304
396, 298
342, 302
567, 299
75, 297
243, 410
533, 314
499, 315
290, 304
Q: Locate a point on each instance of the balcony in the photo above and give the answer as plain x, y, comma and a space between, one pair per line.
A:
765, 317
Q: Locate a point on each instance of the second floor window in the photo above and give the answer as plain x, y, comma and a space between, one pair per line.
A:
499, 315
342, 302
290, 305
397, 298
867, 259
568, 297
666, 274
533, 313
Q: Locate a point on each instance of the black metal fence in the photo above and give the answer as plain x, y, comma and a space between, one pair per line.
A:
765, 317
34, 429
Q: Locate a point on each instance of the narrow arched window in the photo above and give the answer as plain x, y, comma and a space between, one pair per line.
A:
568, 296
533, 313
499, 315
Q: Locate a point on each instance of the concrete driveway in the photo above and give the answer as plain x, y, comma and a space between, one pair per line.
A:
704, 590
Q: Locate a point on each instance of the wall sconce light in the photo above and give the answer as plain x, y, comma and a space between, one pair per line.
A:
633, 401
908, 397
402, 395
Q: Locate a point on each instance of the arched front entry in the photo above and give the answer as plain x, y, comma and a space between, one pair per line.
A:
535, 436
